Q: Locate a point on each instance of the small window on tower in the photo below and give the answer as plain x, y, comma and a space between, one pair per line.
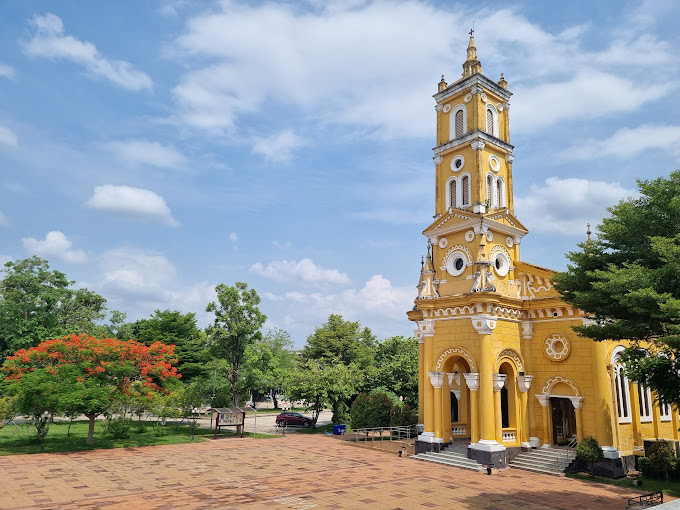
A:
459, 123
489, 122
453, 202
466, 191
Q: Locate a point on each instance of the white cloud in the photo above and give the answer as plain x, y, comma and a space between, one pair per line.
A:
3, 220
49, 41
282, 245
233, 237
305, 272
278, 148
133, 202
146, 152
627, 142
55, 244
377, 305
7, 137
137, 272
588, 95
6, 71
566, 205
335, 67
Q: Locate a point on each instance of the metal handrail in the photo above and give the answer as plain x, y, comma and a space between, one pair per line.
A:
381, 433
567, 455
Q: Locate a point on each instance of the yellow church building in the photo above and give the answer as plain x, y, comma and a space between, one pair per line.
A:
499, 365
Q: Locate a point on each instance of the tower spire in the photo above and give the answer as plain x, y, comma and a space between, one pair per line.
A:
471, 65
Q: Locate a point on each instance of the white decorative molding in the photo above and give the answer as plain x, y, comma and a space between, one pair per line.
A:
500, 107
484, 324
455, 350
512, 354
527, 330
447, 108
499, 381
436, 379
457, 163
458, 430
544, 400
504, 311
476, 89
421, 340
577, 402
482, 96
558, 379
509, 241
458, 248
509, 158
438, 108
471, 381
507, 105
437, 160
489, 236
477, 145
443, 242
494, 163
556, 347
456, 392
467, 98
458, 310
524, 382
425, 328
454, 376
469, 235
509, 437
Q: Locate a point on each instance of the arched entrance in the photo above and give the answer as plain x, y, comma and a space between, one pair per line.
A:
456, 398
563, 420
561, 402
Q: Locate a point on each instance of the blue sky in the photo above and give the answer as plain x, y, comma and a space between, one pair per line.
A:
151, 149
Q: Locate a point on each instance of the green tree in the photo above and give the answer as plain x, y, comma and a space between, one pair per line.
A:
396, 368
628, 281
172, 327
341, 341
374, 410
237, 325
36, 303
588, 450
320, 385
269, 362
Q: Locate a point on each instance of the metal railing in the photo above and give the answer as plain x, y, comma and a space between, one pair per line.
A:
566, 455
373, 434
646, 500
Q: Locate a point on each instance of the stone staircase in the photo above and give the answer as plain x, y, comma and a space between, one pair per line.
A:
453, 455
552, 461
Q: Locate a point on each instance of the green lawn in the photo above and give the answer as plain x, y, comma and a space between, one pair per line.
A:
648, 484
318, 430
22, 439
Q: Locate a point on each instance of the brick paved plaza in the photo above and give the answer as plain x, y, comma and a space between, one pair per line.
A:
294, 472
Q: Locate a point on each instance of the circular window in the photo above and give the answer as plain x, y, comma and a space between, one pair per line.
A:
457, 163
494, 163
456, 263
556, 347
501, 263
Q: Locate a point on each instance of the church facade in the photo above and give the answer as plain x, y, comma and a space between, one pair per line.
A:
499, 365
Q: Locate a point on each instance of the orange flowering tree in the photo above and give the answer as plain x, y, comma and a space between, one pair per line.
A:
86, 375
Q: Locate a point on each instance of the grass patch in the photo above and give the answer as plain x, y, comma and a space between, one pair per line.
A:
648, 484
318, 430
17, 439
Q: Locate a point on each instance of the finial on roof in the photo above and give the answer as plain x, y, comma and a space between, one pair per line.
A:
588, 232
472, 65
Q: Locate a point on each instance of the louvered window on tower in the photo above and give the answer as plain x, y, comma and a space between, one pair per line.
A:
452, 194
466, 190
489, 185
459, 123
489, 122
497, 202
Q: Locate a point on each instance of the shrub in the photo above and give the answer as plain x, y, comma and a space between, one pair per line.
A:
644, 466
371, 411
662, 457
588, 450
404, 416
119, 429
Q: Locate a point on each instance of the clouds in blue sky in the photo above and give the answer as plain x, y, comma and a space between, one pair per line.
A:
153, 150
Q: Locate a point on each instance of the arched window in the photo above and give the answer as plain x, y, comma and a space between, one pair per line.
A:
497, 197
465, 192
621, 388
489, 187
495, 191
491, 120
453, 202
645, 399
457, 121
665, 411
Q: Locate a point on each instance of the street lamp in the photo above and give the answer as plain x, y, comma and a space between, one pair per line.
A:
194, 417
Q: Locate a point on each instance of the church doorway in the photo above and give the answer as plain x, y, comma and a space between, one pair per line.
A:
563, 420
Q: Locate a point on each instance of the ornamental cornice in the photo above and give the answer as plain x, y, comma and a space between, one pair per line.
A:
510, 158
472, 380
425, 328
468, 223
524, 382
466, 83
438, 107
476, 89
477, 145
437, 160
484, 324
499, 381
436, 379
473, 135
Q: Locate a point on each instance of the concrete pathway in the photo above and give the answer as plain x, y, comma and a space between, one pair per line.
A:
295, 472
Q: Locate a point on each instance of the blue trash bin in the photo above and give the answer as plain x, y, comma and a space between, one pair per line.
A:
339, 429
